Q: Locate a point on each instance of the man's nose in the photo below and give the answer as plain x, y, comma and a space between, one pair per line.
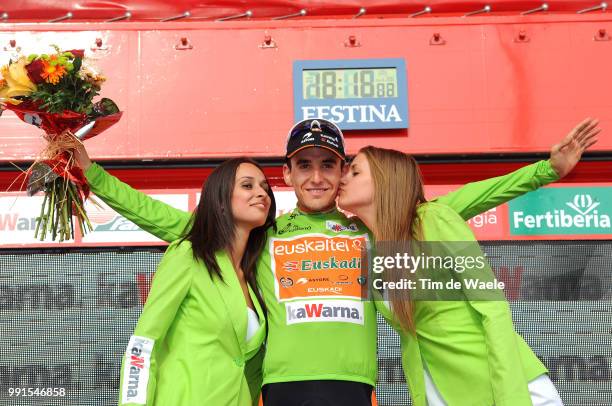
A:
317, 176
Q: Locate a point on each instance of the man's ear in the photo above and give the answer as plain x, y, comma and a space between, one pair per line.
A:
287, 175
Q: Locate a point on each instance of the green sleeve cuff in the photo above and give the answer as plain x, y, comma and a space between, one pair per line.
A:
546, 173
94, 172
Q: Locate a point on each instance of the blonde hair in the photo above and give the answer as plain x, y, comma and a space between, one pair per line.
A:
398, 190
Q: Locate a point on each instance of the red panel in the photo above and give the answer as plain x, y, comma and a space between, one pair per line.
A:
433, 174
481, 92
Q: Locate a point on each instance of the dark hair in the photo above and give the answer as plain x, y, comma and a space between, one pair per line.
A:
212, 226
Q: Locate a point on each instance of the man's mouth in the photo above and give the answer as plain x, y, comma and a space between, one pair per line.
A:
317, 191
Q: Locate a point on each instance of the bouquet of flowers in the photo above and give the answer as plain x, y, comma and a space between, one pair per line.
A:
55, 93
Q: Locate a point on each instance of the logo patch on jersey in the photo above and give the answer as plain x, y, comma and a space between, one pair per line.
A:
314, 262
343, 311
286, 282
338, 228
290, 266
136, 370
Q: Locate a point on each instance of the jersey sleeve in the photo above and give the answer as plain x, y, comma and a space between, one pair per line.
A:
505, 368
169, 287
477, 197
153, 216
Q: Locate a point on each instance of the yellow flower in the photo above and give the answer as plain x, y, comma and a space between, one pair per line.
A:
17, 81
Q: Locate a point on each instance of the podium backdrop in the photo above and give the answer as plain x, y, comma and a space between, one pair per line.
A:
66, 317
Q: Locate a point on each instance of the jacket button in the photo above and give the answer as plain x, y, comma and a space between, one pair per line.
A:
239, 362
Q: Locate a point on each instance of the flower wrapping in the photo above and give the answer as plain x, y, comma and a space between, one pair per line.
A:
55, 92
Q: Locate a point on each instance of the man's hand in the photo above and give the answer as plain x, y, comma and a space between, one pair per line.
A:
565, 155
82, 157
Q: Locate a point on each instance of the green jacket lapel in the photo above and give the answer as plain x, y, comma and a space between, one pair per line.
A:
231, 294
255, 342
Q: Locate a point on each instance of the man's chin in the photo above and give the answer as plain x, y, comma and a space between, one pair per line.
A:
316, 205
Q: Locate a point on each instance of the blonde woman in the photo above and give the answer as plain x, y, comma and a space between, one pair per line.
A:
454, 352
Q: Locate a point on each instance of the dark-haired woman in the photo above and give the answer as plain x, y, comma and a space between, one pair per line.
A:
203, 320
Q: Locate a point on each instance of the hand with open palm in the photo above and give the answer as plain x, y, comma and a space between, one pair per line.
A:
565, 155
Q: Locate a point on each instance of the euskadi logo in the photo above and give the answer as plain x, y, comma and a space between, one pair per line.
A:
564, 211
338, 228
332, 264
314, 311
136, 370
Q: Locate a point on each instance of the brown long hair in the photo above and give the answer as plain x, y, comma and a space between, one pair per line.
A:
398, 190
213, 226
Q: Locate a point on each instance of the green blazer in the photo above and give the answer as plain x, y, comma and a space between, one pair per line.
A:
189, 346
169, 223
470, 347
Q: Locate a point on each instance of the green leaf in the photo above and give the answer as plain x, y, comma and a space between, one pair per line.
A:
77, 64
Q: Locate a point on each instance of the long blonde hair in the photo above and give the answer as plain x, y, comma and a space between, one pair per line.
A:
398, 190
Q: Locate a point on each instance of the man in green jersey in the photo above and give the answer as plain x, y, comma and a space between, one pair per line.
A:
321, 347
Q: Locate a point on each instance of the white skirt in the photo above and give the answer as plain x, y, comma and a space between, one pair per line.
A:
541, 389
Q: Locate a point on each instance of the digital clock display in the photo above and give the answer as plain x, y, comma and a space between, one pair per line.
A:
356, 94
349, 83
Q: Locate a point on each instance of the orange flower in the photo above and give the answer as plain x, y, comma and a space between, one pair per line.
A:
52, 74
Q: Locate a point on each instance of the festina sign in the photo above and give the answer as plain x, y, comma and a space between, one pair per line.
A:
359, 116
356, 94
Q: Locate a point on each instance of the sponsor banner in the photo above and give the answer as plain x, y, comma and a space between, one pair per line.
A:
18, 215
317, 266
110, 227
66, 320
343, 311
553, 212
490, 225
562, 211
136, 369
